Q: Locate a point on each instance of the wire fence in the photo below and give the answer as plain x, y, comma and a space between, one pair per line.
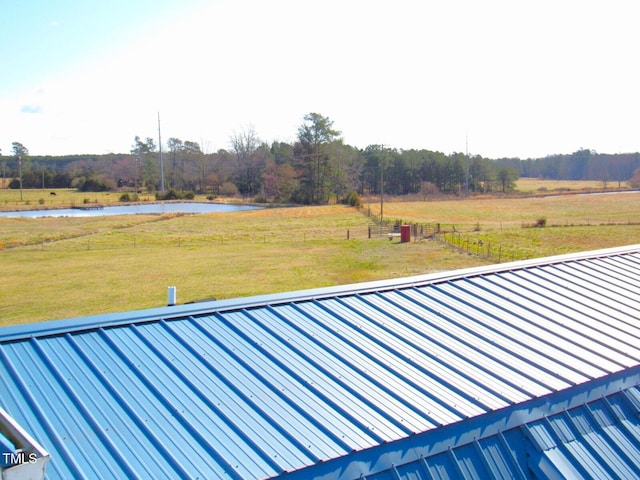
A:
123, 240
478, 247
472, 243
466, 239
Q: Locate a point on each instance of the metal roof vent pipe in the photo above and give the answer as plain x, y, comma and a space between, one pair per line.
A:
171, 296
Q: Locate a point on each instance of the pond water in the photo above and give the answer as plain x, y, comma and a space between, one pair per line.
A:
149, 208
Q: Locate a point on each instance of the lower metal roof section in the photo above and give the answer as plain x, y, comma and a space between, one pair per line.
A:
257, 388
588, 431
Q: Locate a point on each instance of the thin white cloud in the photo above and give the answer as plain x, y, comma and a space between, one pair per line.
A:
32, 109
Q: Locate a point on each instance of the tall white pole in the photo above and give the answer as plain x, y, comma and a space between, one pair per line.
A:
381, 181
466, 157
161, 161
20, 167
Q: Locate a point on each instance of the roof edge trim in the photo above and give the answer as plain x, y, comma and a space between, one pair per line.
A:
432, 442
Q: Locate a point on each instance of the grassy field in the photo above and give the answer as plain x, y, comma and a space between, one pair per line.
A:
30, 199
537, 185
516, 212
573, 223
68, 267
97, 269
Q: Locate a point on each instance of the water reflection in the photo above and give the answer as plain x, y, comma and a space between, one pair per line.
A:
148, 208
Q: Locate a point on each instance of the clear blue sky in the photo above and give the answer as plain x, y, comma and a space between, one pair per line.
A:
500, 78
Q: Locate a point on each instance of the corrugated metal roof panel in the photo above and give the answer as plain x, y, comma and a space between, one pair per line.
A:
257, 387
596, 439
576, 329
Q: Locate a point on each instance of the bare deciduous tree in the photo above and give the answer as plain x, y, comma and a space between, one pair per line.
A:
245, 145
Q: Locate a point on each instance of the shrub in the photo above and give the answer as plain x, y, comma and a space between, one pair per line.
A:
90, 184
352, 199
428, 189
175, 195
228, 189
169, 195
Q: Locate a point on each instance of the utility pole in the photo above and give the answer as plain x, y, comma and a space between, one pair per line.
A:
381, 182
20, 169
466, 157
161, 161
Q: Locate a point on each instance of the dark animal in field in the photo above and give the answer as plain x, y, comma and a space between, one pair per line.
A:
53, 194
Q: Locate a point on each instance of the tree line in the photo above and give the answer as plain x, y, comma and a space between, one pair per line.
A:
316, 168
580, 165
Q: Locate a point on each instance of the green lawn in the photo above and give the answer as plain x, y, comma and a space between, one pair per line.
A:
95, 269
68, 267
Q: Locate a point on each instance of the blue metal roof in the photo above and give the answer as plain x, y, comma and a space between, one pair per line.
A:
256, 388
588, 431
